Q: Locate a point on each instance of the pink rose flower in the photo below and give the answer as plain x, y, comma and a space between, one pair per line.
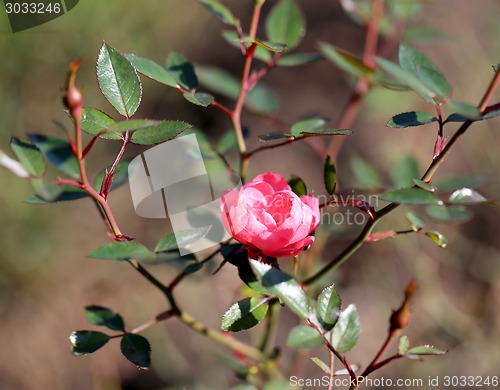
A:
268, 217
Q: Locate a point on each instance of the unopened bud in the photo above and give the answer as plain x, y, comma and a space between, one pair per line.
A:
400, 318
73, 98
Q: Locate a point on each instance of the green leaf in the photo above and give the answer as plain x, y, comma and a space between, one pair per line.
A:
416, 221
329, 176
29, 156
345, 61
303, 336
439, 239
227, 142
448, 214
136, 349
435, 81
404, 171
418, 64
409, 119
285, 24
147, 131
182, 71
151, 69
425, 186
299, 59
58, 152
366, 176
122, 250
410, 196
271, 46
237, 255
346, 331
261, 52
118, 81
328, 307
261, 99
218, 80
466, 196
404, 344
192, 268
274, 135
96, 122
155, 132
462, 112
245, 314
102, 316
84, 342
283, 286
199, 98
406, 78
181, 238
321, 364
48, 192
298, 186
423, 350
311, 124
219, 10
322, 132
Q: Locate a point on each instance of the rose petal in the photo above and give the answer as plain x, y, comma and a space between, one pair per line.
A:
292, 250
276, 181
313, 204
269, 218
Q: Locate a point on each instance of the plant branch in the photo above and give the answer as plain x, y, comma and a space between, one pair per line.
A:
271, 324
153, 321
221, 338
427, 176
362, 86
244, 89
383, 348
183, 274
343, 360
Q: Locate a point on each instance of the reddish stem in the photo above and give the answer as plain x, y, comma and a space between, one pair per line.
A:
362, 87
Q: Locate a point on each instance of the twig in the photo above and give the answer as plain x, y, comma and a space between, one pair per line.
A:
370, 224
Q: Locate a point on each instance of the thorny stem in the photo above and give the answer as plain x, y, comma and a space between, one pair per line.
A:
221, 338
165, 315
276, 145
244, 89
332, 369
343, 360
382, 349
104, 209
363, 84
427, 176
85, 184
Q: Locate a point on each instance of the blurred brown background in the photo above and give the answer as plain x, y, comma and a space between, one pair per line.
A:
46, 279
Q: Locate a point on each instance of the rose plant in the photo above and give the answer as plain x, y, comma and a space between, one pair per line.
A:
268, 218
